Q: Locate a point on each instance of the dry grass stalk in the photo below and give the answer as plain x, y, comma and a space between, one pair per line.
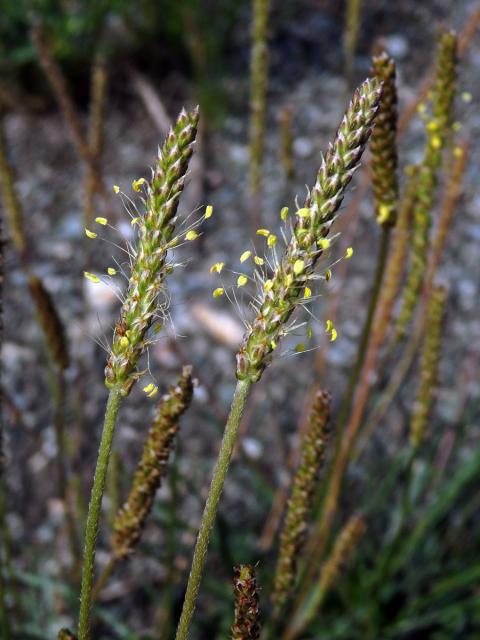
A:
156, 231
11, 203
286, 142
246, 624
258, 98
130, 519
67, 107
350, 34
428, 366
341, 554
299, 505
98, 99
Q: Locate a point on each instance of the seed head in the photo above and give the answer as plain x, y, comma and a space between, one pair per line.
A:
130, 519
246, 624
300, 502
383, 144
313, 222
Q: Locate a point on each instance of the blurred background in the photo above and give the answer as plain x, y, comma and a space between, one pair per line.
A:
146, 60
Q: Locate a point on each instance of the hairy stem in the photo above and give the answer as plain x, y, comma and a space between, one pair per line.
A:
210, 510
94, 508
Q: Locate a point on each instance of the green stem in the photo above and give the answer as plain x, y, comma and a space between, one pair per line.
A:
210, 510
93, 516
367, 327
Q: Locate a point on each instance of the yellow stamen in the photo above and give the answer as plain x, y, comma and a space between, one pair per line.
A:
333, 335
348, 253
191, 235
149, 387
116, 188
284, 213
135, 220
218, 292
323, 243
300, 347
208, 212
328, 275
136, 184
307, 293
90, 234
103, 221
217, 267
305, 212
298, 267
242, 280
111, 271
92, 277
268, 284
272, 240
245, 256
124, 341
258, 260
263, 232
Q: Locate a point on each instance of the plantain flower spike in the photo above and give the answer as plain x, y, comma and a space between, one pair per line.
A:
246, 624
428, 366
279, 300
130, 519
300, 502
383, 143
156, 231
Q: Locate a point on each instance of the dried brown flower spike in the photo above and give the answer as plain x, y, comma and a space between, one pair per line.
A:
300, 502
383, 143
130, 519
246, 625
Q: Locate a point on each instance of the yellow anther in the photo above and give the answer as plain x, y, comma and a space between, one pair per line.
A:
90, 234
258, 260
135, 220
284, 213
298, 267
111, 271
91, 276
307, 292
124, 342
309, 333
432, 125
305, 212
263, 232
149, 387
208, 212
218, 292
328, 326
153, 392
136, 184
267, 285
103, 221
191, 235
288, 280
436, 142
323, 243
384, 211
242, 280
328, 275
348, 253
217, 267
466, 96
272, 240
333, 335
245, 256
116, 188
300, 347
422, 107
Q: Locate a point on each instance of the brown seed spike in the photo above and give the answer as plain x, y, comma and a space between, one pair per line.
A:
300, 502
383, 144
131, 518
246, 625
